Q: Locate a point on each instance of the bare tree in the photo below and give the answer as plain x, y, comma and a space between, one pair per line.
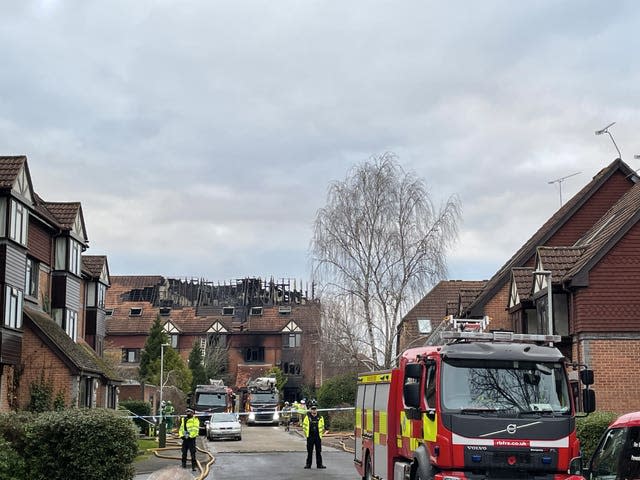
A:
377, 245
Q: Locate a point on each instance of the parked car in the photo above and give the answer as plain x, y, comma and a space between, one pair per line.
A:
224, 425
617, 456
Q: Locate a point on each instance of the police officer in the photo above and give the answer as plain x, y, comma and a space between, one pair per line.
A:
188, 432
313, 428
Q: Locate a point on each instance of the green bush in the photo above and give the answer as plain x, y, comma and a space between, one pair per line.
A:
137, 407
92, 444
340, 421
11, 463
338, 390
13, 429
589, 430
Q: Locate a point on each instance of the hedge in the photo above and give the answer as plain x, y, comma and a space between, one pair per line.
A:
92, 444
589, 430
138, 407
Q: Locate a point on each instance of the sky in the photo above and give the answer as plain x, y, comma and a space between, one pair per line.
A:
201, 136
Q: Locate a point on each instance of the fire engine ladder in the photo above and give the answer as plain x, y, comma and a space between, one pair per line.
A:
450, 324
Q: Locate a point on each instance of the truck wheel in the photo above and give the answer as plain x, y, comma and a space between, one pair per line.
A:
368, 475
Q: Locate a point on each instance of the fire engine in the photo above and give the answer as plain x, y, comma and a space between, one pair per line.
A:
483, 405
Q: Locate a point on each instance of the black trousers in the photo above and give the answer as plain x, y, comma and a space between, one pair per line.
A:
314, 441
189, 444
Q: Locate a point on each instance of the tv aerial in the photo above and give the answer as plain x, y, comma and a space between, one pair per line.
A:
559, 182
606, 130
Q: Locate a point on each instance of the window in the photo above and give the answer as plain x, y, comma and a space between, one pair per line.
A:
71, 324
31, 278
135, 312
174, 340
254, 354
102, 292
13, 307
3, 217
19, 222
256, 311
284, 310
85, 399
75, 252
291, 368
108, 312
291, 340
165, 311
130, 355
424, 325
227, 310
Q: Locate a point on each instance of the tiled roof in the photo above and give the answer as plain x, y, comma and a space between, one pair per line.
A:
9, 168
523, 277
137, 281
64, 212
468, 295
610, 228
547, 230
93, 264
559, 260
82, 357
434, 304
40, 206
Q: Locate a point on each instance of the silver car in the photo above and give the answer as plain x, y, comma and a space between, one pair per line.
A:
224, 425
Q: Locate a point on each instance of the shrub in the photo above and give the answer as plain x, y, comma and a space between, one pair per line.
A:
11, 463
13, 429
92, 444
589, 430
340, 421
338, 390
137, 407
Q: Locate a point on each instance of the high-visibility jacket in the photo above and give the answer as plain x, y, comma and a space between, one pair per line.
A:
305, 425
192, 427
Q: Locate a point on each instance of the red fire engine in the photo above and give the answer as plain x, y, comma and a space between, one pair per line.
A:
482, 406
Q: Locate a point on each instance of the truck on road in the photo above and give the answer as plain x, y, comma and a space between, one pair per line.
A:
208, 399
495, 405
263, 401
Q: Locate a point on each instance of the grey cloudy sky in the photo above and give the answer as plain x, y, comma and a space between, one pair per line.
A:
201, 136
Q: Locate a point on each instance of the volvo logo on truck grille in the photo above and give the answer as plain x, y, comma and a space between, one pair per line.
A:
511, 429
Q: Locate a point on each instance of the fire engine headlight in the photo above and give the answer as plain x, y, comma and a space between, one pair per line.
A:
252, 416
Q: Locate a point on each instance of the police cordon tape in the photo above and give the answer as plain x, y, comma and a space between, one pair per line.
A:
241, 414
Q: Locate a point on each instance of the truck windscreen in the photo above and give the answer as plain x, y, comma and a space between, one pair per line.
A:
211, 400
504, 385
264, 397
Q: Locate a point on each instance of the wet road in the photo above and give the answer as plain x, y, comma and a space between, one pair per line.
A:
266, 453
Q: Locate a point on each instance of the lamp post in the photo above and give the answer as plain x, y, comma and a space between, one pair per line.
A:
162, 439
547, 275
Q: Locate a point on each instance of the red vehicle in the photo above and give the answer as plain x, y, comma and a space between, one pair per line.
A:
617, 456
483, 406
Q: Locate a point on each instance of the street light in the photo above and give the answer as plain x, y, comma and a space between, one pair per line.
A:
161, 377
547, 274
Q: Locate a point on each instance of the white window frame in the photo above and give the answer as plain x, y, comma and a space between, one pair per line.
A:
174, 340
71, 324
32, 274
13, 307
75, 257
19, 223
102, 292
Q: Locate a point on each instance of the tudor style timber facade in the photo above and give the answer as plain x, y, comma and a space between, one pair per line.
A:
44, 281
253, 325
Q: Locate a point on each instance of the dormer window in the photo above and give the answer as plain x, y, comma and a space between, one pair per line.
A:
135, 312
285, 310
68, 255
228, 310
256, 311
19, 223
165, 311
108, 312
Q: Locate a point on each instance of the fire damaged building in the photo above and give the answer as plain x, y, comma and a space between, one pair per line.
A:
247, 326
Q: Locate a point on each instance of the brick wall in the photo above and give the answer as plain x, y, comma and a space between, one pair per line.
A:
614, 359
38, 359
496, 308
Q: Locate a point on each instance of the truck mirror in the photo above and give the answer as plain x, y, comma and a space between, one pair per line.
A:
588, 401
411, 394
413, 370
586, 377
